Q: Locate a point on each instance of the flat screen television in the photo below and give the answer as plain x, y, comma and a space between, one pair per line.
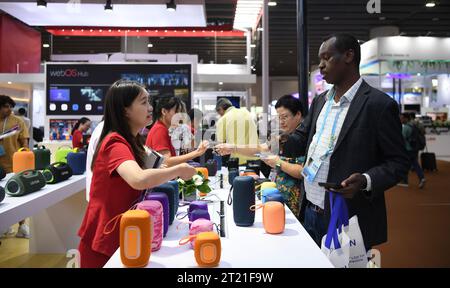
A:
235, 100
80, 88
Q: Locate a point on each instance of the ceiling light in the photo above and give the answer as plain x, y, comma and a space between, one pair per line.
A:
149, 45
41, 3
252, 45
220, 83
272, 3
247, 13
108, 6
45, 45
171, 6
430, 4
9, 82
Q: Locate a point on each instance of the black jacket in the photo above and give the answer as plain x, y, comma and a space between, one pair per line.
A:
370, 142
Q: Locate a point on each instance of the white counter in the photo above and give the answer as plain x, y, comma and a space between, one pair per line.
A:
243, 247
56, 211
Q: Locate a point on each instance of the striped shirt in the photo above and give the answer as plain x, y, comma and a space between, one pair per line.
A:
318, 147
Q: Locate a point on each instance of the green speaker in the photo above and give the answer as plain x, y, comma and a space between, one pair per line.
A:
41, 157
24, 183
61, 154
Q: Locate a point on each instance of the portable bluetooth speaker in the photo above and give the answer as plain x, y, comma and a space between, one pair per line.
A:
2, 193
24, 183
135, 238
2, 173
243, 198
266, 185
164, 200
57, 172
155, 209
207, 249
77, 161
204, 171
197, 210
198, 226
274, 216
269, 192
251, 173
233, 163
211, 165
171, 190
275, 197
41, 157
254, 165
23, 160
232, 173
61, 154
218, 159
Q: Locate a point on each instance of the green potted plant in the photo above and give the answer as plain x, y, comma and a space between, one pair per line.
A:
190, 187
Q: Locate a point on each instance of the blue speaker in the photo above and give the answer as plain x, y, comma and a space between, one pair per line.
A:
171, 191
275, 197
269, 192
211, 165
218, 159
232, 173
233, 163
243, 199
77, 161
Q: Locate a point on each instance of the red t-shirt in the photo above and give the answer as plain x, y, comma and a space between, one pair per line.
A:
158, 139
110, 195
77, 139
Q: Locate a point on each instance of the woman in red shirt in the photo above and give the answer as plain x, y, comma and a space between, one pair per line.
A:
118, 175
158, 137
80, 127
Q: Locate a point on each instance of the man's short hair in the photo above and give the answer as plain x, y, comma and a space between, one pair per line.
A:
345, 42
6, 100
223, 103
291, 103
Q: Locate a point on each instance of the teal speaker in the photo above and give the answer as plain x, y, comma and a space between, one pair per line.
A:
41, 157
24, 183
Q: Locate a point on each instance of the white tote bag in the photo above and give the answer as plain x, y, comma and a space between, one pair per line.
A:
343, 244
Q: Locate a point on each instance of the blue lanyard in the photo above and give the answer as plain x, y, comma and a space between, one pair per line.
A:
333, 130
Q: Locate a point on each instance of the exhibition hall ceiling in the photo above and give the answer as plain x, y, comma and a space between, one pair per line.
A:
324, 17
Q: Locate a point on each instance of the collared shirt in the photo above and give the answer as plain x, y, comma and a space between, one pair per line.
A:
314, 193
237, 127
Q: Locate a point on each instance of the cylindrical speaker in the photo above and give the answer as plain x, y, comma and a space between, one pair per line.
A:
243, 199
2, 173
41, 157
254, 165
207, 249
155, 209
136, 230
77, 161
23, 160
2, 193
204, 171
218, 159
211, 165
274, 217
161, 197
172, 195
232, 173
233, 163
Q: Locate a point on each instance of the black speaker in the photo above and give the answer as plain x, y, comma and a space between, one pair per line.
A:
24, 183
211, 165
254, 165
233, 163
232, 173
2, 193
243, 199
2, 173
57, 172
171, 190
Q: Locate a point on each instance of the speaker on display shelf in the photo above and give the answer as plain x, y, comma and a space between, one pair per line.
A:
24, 183
164, 200
155, 209
274, 217
218, 159
211, 165
254, 165
61, 153
207, 249
269, 192
41, 157
204, 171
77, 161
2, 173
243, 199
2, 193
233, 163
171, 190
232, 173
23, 160
57, 172
136, 229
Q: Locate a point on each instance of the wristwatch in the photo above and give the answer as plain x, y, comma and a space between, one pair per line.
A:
278, 166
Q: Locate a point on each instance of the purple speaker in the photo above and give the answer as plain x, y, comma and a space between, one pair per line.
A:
161, 197
197, 205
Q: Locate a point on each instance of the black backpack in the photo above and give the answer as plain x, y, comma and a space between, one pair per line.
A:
417, 139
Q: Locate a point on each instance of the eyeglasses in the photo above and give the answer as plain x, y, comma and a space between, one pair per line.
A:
285, 117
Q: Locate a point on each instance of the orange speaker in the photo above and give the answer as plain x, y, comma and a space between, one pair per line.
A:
274, 217
23, 160
136, 229
203, 170
207, 249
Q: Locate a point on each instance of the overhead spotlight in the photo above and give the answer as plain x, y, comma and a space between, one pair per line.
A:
41, 3
171, 6
45, 45
150, 45
272, 3
252, 45
108, 6
430, 4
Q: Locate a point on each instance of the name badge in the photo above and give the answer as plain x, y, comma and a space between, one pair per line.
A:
311, 169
